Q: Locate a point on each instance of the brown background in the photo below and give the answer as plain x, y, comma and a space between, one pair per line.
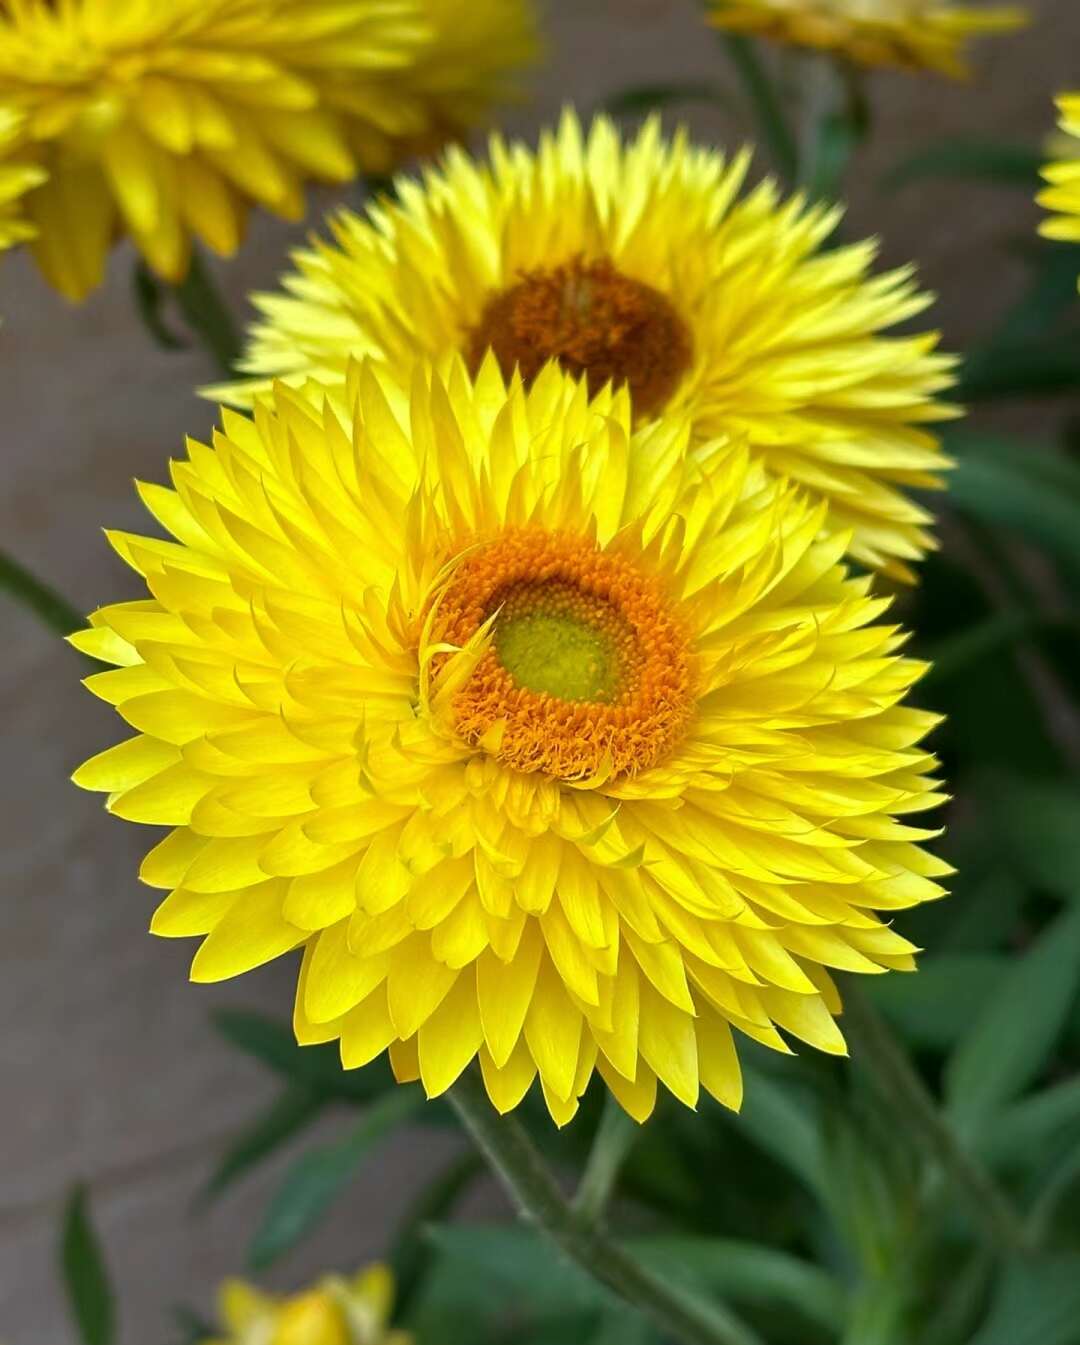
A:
110, 1072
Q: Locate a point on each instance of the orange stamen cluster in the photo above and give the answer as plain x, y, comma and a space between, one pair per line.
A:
598, 324
637, 718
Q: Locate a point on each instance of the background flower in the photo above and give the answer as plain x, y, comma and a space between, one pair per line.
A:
916, 34
1062, 196
336, 1311
168, 120
639, 262
548, 747
16, 179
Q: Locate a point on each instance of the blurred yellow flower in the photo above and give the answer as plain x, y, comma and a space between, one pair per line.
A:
912, 34
636, 262
337, 1311
167, 119
16, 179
547, 741
1062, 196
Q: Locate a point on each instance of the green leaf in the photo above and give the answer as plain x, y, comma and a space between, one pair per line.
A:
85, 1277
519, 1265
1020, 486
1011, 1041
933, 1008
411, 1253
37, 597
786, 1123
643, 98
296, 1108
272, 1042
765, 103
1038, 823
207, 314
1037, 1302
995, 161
1031, 1130
150, 300
960, 653
317, 1178
748, 1275
193, 1329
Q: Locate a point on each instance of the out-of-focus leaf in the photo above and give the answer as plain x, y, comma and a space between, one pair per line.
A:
1010, 1042
22, 587
1038, 822
150, 301
317, 1178
85, 1277
1020, 486
993, 161
1037, 1302
272, 1042
411, 1252
206, 314
1021, 369
786, 1123
958, 655
1032, 1129
287, 1115
748, 1275
642, 98
932, 1009
619, 1327
191, 1328
520, 1263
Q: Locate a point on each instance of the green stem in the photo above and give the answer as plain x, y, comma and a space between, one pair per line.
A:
615, 1137
56, 612
876, 1049
519, 1167
762, 94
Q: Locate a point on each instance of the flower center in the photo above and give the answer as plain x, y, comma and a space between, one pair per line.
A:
596, 322
588, 671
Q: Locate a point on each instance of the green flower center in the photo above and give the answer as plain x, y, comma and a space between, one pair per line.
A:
546, 641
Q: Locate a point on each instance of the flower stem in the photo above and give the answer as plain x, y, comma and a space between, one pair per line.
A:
875, 1048
615, 1137
762, 94
519, 1167
56, 612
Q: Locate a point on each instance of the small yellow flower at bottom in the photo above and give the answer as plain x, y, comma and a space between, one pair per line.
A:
336, 1311
1062, 196
911, 34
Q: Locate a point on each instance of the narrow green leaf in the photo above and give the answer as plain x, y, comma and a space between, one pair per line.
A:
786, 1123
86, 1279
748, 1275
1012, 1039
995, 161
1020, 486
933, 1009
764, 102
1038, 824
150, 299
37, 597
315, 1180
1037, 1302
518, 1264
960, 653
296, 1108
411, 1252
1035, 1127
207, 314
620, 1326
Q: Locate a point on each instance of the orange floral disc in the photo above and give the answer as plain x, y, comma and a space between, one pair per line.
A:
588, 671
596, 322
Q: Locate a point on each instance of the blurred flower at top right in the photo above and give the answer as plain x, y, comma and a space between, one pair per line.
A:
909, 34
1062, 196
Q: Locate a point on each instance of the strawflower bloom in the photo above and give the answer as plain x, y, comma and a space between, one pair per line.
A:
167, 119
638, 263
16, 179
1062, 196
549, 743
336, 1311
910, 34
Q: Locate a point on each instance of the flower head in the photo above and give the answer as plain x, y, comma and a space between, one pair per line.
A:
1062, 196
912, 34
167, 120
637, 263
548, 742
336, 1311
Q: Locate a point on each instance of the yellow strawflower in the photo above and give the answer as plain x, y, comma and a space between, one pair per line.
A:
638, 262
16, 179
337, 1311
912, 34
168, 119
1062, 196
548, 743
